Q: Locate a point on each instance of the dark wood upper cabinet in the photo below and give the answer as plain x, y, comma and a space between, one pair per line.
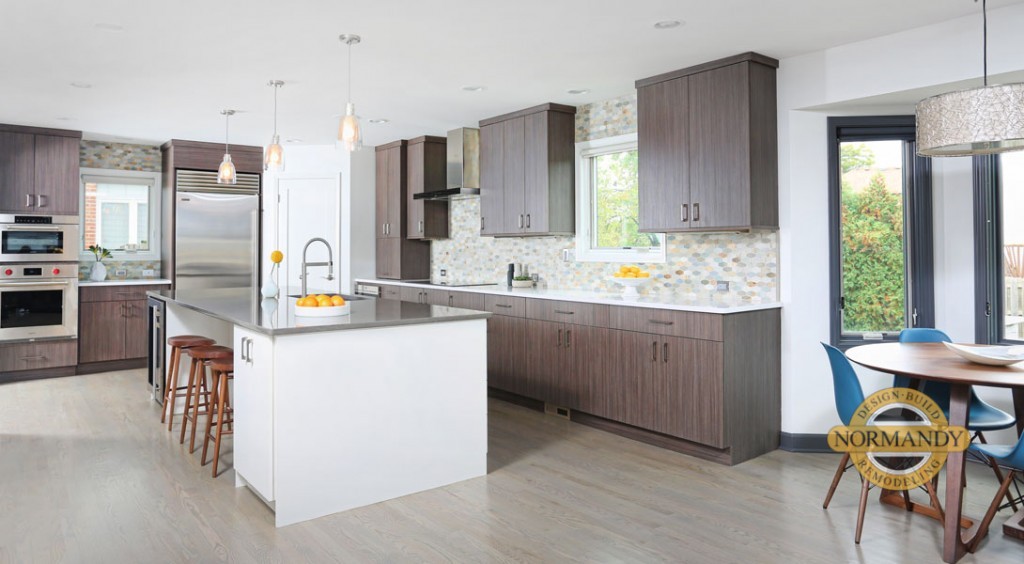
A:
527, 172
426, 166
39, 170
492, 179
398, 258
708, 147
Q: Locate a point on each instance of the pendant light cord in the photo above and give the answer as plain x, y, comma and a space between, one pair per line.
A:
276, 86
226, 117
350, 71
984, 36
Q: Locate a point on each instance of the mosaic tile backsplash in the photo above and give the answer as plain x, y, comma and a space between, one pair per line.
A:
133, 268
696, 262
118, 156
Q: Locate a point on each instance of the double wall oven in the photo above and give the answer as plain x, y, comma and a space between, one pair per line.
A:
38, 277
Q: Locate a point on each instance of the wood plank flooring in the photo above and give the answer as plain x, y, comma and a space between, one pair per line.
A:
87, 474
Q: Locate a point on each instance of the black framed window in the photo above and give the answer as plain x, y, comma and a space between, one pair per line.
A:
999, 248
880, 230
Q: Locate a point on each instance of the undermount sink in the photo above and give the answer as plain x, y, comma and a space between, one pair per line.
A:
348, 297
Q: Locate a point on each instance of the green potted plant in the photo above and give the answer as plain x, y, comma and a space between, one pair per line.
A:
99, 270
522, 281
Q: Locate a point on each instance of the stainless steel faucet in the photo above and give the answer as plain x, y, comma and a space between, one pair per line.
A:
329, 264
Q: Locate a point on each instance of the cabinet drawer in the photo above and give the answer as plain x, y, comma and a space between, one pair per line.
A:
390, 292
568, 312
505, 305
31, 356
115, 293
467, 300
690, 324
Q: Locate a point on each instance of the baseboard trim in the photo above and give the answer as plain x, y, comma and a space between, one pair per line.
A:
39, 374
721, 456
516, 399
111, 365
804, 442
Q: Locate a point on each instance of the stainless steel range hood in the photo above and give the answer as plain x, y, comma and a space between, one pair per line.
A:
463, 167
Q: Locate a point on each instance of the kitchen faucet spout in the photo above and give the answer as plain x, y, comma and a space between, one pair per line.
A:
305, 265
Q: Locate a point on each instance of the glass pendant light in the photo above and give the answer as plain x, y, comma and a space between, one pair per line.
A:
273, 159
348, 129
980, 121
226, 172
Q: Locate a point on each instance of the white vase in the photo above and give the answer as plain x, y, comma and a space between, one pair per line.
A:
99, 272
270, 289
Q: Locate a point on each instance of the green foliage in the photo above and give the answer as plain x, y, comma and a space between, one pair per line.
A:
873, 259
100, 253
616, 221
855, 155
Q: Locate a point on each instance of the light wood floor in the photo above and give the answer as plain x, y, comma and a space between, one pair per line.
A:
87, 474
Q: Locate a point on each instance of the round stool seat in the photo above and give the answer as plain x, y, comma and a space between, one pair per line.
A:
221, 365
211, 352
186, 341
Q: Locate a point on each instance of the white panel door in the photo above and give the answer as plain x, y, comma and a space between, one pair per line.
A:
310, 207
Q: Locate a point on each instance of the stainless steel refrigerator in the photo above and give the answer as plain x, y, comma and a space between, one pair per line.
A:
216, 231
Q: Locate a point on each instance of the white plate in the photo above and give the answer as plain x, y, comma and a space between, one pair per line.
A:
629, 285
333, 311
991, 355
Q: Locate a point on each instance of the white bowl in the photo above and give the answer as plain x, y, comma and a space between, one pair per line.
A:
332, 311
991, 355
630, 285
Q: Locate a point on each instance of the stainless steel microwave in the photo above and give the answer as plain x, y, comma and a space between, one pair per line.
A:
39, 238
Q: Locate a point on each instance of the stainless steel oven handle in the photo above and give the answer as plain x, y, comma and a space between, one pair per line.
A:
20, 227
37, 283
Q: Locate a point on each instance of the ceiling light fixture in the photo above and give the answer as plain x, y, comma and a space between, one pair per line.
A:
81, 85
980, 121
293, 140
226, 172
379, 121
667, 24
474, 88
273, 159
577, 91
348, 129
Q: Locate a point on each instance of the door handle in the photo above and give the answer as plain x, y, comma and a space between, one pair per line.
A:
42, 200
421, 226
654, 351
558, 343
29, 200
481, 223
696, 212
568, 338
123, 314
241, 349
450, 300
664, 352
527, 221
520, 221
249, 350
383, 228
684, 212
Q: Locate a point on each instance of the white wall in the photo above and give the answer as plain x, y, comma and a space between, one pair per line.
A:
849, 79
354, 253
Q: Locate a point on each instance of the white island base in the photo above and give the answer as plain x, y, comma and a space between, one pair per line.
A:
326, 422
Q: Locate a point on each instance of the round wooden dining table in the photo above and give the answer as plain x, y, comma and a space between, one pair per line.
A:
933, 361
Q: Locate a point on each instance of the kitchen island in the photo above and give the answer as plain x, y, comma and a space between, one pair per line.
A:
340, 412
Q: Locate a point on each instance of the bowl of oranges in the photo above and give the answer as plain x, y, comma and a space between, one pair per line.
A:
630, 277
321, 305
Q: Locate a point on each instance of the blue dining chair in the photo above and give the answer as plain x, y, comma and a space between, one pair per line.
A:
981, 416
848, 395
1012, 458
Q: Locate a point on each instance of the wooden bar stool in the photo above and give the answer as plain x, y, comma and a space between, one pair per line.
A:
198, 395
223, 372
172, 390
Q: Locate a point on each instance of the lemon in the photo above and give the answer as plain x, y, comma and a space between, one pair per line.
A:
276, 257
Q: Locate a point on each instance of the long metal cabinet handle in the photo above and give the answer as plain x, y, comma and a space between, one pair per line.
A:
562, 311
664, 352
527, 221
123, 312
654, 351
503, 305
696, 212
421, 226
558, 343
568, 338
450, 301
520, 221
34, 357
249, 350
42, 200
656, 322
28, 201
481, 223
684, 212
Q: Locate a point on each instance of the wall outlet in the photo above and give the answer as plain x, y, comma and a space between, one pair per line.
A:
149, 273
444, 272
722, 287
121, 272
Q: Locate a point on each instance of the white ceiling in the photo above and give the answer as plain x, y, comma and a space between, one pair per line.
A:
176, 64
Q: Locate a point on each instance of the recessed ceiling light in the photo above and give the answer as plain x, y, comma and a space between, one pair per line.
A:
667, 24
81, 85
62, 118
576, 91
113, 28
293, 140
379, 121
474, 88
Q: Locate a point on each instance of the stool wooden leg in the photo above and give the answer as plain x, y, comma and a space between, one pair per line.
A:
188, 399
209, 417
200, 380
221, 412
171, 386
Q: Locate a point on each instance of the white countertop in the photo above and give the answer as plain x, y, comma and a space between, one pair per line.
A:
127, 282
678, 303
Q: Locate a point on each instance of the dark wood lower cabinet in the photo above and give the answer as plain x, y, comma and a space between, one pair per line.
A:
506, 354
136, 335
112, 323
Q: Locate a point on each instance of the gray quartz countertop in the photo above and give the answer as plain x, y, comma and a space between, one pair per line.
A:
243, 306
